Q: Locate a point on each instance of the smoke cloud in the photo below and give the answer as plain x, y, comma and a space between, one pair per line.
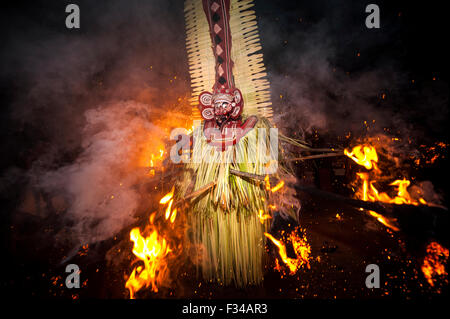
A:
330, 73
85, 106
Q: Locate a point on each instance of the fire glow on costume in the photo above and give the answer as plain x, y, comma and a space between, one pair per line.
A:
228, 222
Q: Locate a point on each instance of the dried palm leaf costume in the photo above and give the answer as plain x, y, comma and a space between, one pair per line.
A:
225, 223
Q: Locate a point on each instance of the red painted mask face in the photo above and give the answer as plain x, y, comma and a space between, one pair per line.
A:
222, 114
222, 106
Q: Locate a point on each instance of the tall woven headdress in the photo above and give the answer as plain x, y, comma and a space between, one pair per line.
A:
223, 48
231, 93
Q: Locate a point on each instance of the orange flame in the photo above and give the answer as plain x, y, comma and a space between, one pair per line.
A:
169, 213
272, 189
364, 155
434, 262
277, 187
167, 197
369, 192
152, 250
302, 251
152, 163
385, 221
266, 180
263, 217
173, 216
168, 209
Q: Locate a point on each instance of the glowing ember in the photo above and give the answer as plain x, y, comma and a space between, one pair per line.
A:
173, 216
434, 262
385, 221
190, 130
277, 187
263, 217
167, 197
152, 163
302, 251
266, 180
168, 209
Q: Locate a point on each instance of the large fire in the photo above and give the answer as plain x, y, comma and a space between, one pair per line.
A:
152, 251
366, 156
153, 245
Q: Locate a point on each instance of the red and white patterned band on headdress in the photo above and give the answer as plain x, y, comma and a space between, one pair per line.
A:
223, 126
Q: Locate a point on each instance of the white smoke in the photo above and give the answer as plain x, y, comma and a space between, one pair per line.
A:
100, 186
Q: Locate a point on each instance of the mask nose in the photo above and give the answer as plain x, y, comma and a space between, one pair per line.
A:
221, 108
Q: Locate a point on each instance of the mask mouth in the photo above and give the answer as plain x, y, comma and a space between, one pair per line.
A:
221, 119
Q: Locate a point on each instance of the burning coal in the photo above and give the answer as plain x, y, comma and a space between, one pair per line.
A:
301, 248
434, 263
